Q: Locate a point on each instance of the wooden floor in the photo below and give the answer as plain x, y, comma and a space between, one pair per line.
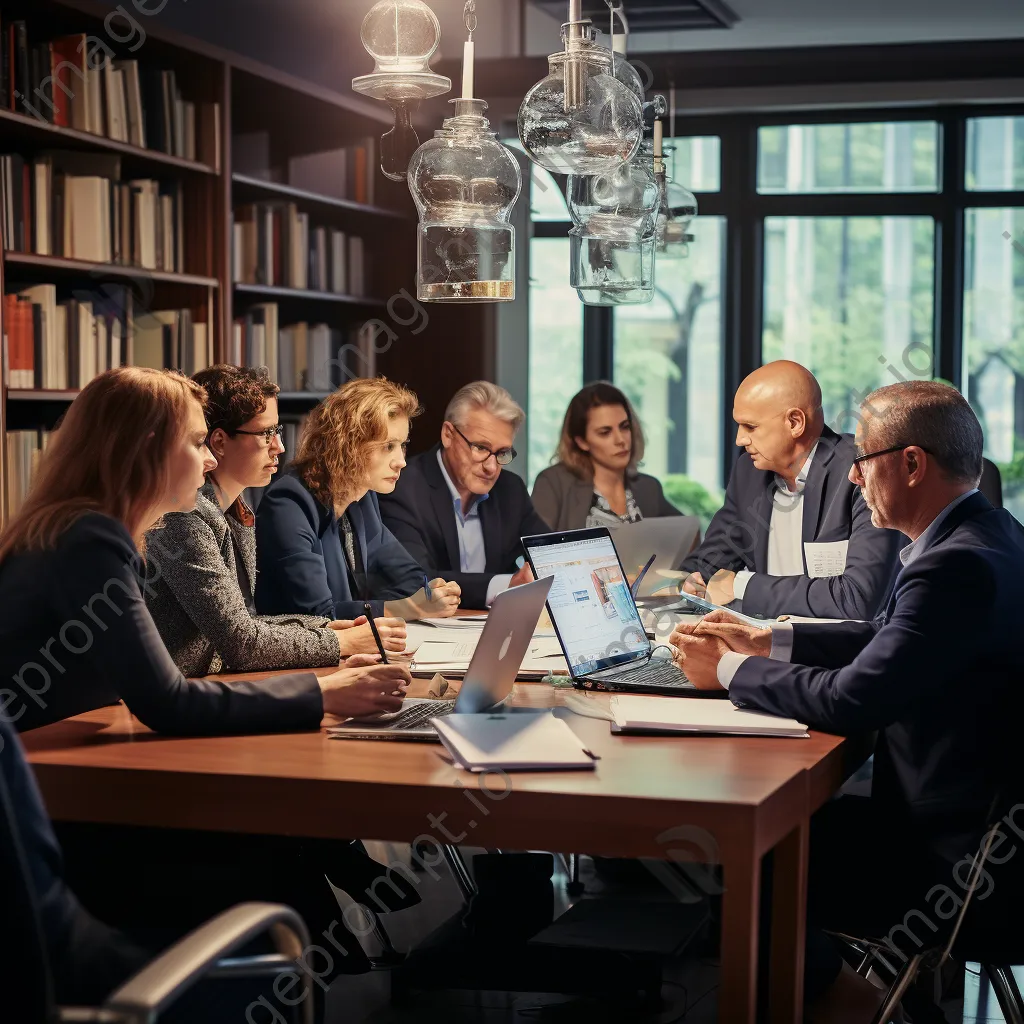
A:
689, 995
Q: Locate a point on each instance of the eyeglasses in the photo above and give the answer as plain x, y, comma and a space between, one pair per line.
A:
887, 451
268, 435
481, 453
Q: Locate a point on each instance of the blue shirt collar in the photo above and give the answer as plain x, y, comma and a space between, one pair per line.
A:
912, 550
454, 491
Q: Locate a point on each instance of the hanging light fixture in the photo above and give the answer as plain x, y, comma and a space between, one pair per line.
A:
676, 209
464, 184
401, 36
582, 118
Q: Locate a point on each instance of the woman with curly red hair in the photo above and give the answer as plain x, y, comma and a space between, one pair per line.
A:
321, 546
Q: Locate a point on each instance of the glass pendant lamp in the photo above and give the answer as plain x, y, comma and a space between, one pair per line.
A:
585, 117
464, 184
677, 206
401, 36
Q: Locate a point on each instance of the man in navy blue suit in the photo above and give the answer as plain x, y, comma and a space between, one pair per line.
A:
938, 675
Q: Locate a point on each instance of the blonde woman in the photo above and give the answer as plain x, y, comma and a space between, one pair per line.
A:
321, 546
595, 481
76, 634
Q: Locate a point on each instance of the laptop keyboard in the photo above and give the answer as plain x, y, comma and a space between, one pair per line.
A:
417, 714
654, 673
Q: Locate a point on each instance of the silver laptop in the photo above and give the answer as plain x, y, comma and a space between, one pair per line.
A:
669, 538
489, 680
596, 618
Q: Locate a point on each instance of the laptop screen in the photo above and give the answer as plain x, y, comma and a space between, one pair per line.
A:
591, 607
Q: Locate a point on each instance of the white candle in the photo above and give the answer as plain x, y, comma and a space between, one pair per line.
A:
467, 70
658, 136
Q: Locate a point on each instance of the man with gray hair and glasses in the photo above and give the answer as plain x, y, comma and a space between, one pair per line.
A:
455, 510
939, 675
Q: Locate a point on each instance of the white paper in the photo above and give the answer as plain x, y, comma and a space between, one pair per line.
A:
699, 716
826, 559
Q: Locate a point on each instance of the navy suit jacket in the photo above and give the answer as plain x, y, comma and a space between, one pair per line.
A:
833, 510
300, 557
940, 676
87, 959
421, 514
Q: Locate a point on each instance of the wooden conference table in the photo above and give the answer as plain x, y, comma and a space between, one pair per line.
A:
713, 799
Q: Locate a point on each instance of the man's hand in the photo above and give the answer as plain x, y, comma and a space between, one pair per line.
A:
694, 584
356, 637
444, 602
364, 688
524, 575
739, 637
698, 657
721, 589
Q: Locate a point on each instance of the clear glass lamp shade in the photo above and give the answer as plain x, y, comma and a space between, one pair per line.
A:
581, 118
401, 36
464, 184
614, 235
676, 210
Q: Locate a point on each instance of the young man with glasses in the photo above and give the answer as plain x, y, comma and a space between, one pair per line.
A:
455, 511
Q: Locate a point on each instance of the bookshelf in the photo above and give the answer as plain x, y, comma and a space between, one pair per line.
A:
295, 122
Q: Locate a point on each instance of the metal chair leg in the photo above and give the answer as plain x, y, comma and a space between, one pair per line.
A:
1007, 993
575, 887
453, 855
898, 989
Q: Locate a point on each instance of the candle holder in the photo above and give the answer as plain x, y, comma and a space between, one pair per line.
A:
401, 36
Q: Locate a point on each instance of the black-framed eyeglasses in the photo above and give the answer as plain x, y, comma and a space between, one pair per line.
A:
268, 435
481, 453
887, 451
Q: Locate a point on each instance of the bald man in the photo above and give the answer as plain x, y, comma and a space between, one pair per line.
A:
794, 536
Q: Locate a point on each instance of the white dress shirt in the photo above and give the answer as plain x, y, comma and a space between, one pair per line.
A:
785, 530
782, 632
472, 553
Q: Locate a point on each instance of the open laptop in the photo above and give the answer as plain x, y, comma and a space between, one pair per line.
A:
669, 538
489, 680
596, 618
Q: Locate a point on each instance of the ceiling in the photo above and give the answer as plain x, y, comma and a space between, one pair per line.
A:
653, 15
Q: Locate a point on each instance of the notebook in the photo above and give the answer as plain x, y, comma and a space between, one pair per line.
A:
512, 742
454, 658
656, 714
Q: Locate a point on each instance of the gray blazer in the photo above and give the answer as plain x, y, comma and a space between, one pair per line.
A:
564, 499
195, 596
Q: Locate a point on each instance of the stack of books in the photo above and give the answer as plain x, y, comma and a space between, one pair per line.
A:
57, 345
70, 82
75, 205
300, 356
24, 448
275, 245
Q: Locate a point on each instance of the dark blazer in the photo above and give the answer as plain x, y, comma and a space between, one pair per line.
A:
421, 514
87, 959
563, 499
201, 598
939, 675
75, 634
833, 510
301, 560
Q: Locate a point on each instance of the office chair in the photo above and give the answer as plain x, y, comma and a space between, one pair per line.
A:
991, 483
27, 983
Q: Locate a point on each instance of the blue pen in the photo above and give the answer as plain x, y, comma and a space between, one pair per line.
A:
426, 588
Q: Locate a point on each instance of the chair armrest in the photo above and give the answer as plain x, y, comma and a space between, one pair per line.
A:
145, 996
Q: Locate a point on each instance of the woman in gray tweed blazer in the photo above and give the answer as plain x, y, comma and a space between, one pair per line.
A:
201, 565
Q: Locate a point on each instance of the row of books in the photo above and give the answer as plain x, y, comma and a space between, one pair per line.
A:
275, 245
300, 356
74, 82
24, 448
63, 344
75, 205
346, 173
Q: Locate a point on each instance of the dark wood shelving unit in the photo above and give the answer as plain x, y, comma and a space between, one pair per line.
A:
267, 291
40, 395
248, 189
59, 266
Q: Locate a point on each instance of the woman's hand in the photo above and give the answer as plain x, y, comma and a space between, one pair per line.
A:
364, 687
444, 602
355, 636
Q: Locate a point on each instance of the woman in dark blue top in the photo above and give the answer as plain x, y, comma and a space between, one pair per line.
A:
321, 546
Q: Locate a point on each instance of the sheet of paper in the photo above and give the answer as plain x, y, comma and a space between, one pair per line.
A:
417, 634
826, 559
476, 622
431, 653
544, 647
512, 742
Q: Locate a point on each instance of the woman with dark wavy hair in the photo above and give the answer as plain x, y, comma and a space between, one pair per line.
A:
321, 546
202, 596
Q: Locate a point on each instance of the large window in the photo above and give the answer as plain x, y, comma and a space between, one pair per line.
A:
668, 360
851, 299
995, 154
994, 339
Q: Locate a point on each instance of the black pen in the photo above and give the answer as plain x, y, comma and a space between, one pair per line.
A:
373, 629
